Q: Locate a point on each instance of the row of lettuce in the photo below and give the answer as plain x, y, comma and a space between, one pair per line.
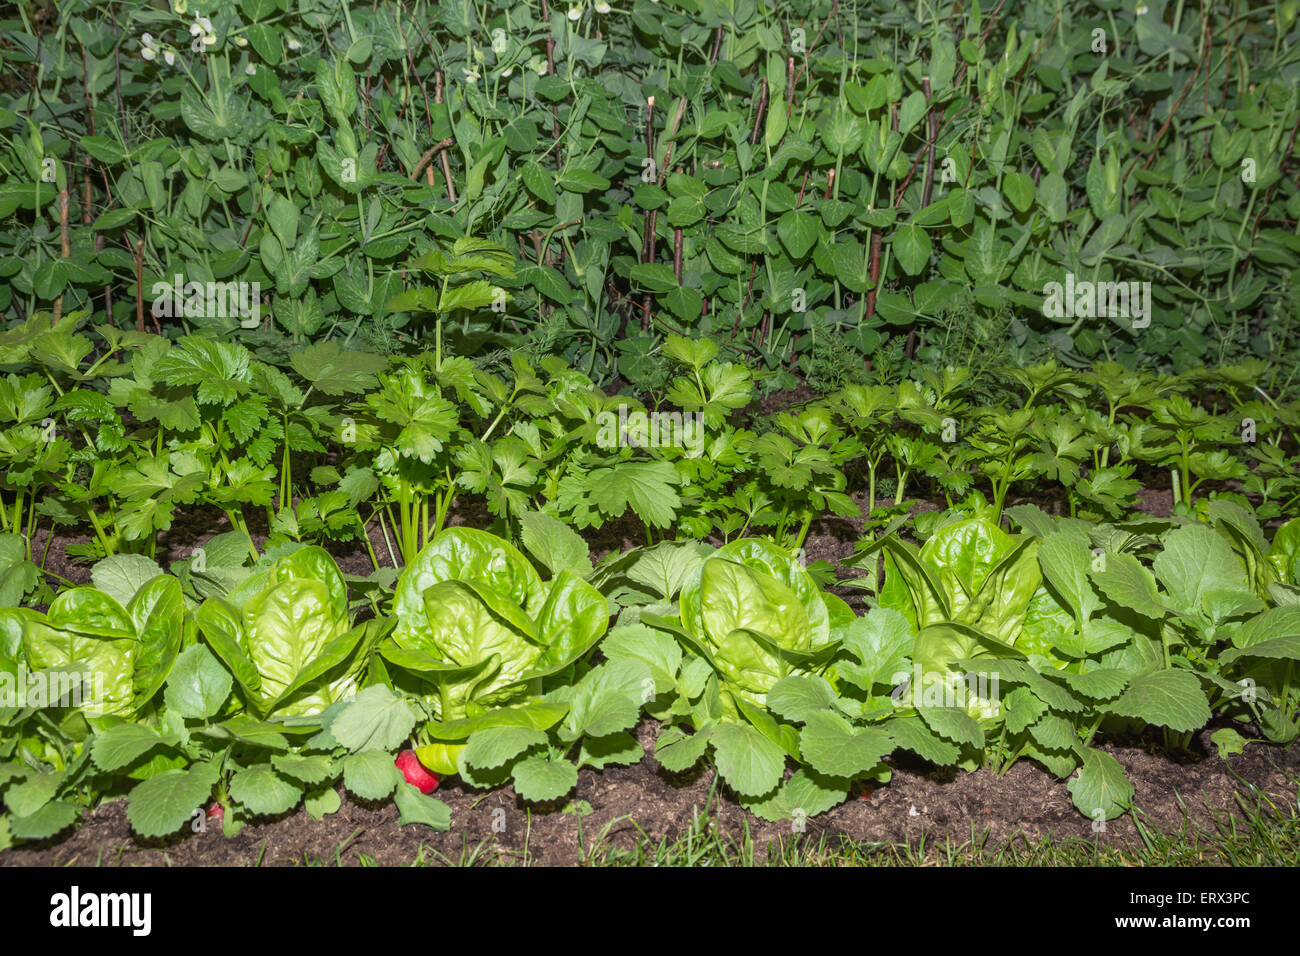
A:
499, 665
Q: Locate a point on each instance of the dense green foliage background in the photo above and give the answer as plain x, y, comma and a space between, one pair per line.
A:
901, 180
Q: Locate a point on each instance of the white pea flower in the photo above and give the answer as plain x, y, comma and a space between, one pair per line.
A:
470, 75
1141, 9
151, 48
251, 69
241, 41
505, 74
292, 43
575, 13
602, 7
202, 26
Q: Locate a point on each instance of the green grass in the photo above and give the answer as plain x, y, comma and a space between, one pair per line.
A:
1262, 832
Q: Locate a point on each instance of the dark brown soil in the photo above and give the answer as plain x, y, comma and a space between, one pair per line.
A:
624, 803
1155, 501
784, 399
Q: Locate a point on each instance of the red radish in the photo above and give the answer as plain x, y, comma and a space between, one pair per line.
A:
216, 813
415, 772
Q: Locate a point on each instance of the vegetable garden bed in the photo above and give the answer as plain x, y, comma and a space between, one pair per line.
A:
497, 428
625, 815
646, 812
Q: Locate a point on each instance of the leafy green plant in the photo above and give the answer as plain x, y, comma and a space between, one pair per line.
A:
478, 632
908, 190
44, 761
285, 635
123, 652
250, 767
968, 572
749, 615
